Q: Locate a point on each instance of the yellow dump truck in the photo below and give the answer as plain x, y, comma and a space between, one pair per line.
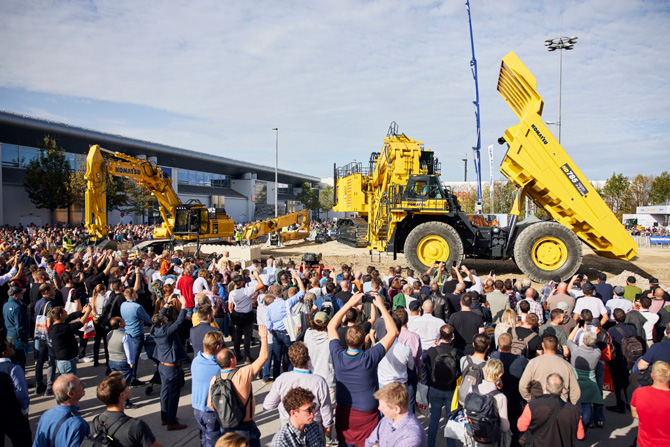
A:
403, 207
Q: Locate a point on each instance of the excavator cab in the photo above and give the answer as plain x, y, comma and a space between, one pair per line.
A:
191, 219
424, 187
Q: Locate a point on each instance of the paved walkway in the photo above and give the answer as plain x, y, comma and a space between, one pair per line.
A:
268, 422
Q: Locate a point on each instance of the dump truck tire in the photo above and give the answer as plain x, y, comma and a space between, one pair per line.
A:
430, 242
547, 249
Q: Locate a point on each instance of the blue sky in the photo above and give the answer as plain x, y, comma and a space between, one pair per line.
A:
217, 76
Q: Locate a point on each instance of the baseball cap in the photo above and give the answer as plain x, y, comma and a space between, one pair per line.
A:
15, 290
321, 318
631, 279
255, 261
169, 281
563, 306
619, 291
653, 281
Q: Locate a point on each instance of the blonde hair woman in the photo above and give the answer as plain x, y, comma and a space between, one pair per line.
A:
507, 321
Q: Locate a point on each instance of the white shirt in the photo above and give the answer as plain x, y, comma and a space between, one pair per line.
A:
477, 285
393, 367
618, 303
579, 335
428, 328
270, 271
652, 318
200, 285
595, 305
316, 291
241, 298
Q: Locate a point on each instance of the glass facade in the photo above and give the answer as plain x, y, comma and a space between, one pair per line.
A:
199, 178
14, 156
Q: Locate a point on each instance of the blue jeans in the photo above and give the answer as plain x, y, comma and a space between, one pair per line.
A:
122, 367
138, 343
224, 325
67, 366
438, 399
209, 427
248, 429
44, 354
280, 345
266, 366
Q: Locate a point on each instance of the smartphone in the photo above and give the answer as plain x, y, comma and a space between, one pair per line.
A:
581, 323
453, 264
493, 273
177, 292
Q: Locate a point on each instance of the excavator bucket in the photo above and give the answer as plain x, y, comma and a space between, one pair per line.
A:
536, 162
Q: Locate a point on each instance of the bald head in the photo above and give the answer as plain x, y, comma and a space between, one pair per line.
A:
427, 307
68, 389
555, 384
562, 288
659, 293
407, 289
530, 293
460, 288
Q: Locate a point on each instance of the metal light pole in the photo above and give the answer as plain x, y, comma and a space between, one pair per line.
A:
276, 129
465, 175
560, 44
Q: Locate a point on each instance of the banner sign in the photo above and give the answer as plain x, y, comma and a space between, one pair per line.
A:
659, 239
491, 165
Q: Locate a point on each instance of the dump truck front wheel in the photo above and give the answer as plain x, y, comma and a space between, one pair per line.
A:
432, 242
547, 249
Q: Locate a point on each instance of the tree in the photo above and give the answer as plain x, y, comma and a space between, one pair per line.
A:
616, 193
640, 187
308, 197
141, 201
49, 178
326, 199
660, 189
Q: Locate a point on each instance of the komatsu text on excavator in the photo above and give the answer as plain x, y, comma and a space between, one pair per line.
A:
403, 207
182, 223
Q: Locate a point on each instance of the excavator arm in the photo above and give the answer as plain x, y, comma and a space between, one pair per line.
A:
261, 228
145, 173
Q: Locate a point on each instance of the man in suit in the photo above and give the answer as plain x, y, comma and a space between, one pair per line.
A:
170, 353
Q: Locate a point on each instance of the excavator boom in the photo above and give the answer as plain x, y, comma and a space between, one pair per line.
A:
257, 229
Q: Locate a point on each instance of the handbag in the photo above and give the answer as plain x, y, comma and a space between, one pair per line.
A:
421, 405
89, 328
295, 325
455, 428
70, 306
41, 329
454, 400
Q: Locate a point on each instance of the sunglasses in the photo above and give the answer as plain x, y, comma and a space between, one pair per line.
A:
308, 410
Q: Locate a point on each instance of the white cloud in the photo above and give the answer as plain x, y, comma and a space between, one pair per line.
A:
333, 75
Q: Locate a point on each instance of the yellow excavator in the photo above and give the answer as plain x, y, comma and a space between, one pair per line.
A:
182, 223
403, 207
279, 224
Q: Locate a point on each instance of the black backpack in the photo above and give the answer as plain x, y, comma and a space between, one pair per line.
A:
472, 376
482, 414
631, 348
445, 370
327, 307
229, 409
103, 437
520, 345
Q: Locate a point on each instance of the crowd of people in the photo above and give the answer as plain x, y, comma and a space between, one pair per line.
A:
351, 357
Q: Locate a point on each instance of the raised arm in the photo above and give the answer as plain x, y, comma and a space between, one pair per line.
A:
391, 329
337, 318
260, 284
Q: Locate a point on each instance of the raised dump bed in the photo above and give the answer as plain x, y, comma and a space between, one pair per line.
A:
536, 162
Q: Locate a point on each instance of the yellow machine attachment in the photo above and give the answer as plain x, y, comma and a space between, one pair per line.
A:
537, 164
254, 230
